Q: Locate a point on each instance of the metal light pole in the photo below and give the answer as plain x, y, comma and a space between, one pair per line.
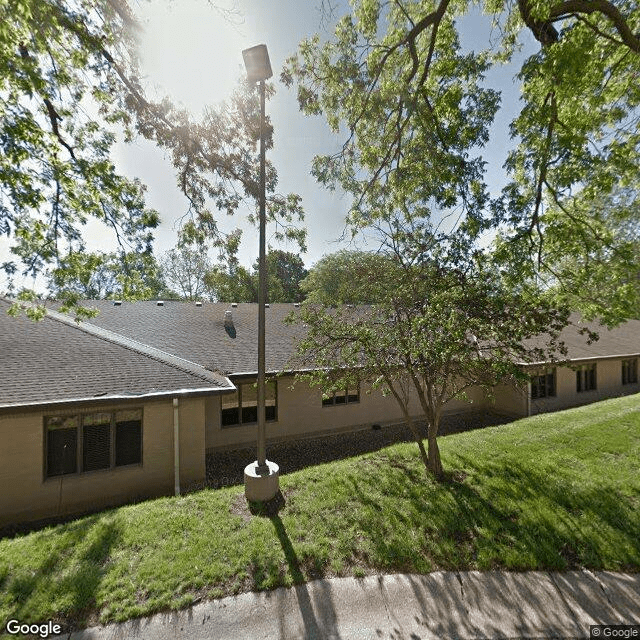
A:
261, 476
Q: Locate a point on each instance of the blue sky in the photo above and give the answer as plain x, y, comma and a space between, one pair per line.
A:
194, 55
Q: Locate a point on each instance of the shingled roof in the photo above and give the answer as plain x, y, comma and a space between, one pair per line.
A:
623, 340
54, 361
199, 334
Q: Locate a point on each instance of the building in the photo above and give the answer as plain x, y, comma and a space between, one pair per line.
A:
127, 405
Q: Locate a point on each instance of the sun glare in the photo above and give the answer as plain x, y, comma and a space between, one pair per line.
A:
191, 52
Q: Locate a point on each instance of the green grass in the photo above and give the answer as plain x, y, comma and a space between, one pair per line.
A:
558, 491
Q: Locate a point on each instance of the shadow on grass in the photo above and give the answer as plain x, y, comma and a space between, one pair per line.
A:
308, 610
69, 576
513, 517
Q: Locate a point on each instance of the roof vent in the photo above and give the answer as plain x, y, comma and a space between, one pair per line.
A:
234, 304
117, 303
296, 304
160, 303
228, 319
198, 303
266, 305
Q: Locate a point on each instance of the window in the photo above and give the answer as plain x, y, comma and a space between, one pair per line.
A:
586, 378
630, 371
346, 396
93, 441
543, 385
241, 407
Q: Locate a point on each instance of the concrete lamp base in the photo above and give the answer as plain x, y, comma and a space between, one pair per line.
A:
261, 487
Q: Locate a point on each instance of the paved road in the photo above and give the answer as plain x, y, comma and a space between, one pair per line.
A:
440, 606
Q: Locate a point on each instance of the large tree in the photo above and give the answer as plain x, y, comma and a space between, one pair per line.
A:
416, 109
603, 234
184, 268
228, 281
445, 321
345, 277
285, 271
69, 84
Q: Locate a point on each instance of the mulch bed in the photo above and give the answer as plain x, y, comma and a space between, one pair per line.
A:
226, 468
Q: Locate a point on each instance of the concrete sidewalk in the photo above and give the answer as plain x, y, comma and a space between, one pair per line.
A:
438, 606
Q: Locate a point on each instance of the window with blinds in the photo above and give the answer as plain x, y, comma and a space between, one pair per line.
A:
543, 384
344, 396
630, 371
241, 407
92, 441
586, 379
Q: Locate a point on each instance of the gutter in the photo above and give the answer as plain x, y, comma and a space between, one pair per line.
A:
585, 359
124, 396
176, 446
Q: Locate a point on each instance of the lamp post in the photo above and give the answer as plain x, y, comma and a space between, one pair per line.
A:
260, 477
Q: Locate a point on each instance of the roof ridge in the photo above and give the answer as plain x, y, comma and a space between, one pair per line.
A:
186, 366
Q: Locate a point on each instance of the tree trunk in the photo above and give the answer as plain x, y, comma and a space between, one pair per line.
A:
414, 429
418, 438
435, 462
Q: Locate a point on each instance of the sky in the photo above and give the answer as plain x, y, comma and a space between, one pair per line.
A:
193, 53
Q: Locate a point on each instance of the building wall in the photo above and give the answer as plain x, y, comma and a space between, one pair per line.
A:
509, 399
301, 413
609, 385
27, 495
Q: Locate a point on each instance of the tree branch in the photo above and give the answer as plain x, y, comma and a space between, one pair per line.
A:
563, 9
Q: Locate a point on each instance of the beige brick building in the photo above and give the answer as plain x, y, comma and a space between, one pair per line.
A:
126, 406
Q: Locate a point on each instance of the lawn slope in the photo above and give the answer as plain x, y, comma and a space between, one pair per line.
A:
558, 491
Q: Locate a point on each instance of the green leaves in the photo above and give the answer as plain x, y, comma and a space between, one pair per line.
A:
69, 86
416, 113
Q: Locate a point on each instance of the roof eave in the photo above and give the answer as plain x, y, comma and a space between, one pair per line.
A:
151, 395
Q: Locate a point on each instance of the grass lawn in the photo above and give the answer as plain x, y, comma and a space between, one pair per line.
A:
557, 491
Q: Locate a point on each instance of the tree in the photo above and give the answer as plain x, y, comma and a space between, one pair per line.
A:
229, 281
184, 269
285, 271
346, 277
416, 110
238, 286
69, 85
446, 322
604, 234
106, 275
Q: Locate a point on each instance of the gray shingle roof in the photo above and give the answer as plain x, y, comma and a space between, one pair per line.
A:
620, 341
198, 334
56, 361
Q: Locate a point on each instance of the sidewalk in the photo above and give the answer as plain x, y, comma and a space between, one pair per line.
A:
440, 606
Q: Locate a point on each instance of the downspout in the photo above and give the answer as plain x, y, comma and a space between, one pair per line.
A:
176, 446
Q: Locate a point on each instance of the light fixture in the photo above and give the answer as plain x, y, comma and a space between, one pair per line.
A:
257, 64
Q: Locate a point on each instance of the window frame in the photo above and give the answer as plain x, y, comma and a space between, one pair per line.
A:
587, 378
629, 371
79, 441
239, 408
540, 382
329, 398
